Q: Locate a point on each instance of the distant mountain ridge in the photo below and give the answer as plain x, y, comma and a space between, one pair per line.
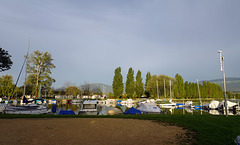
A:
232, 83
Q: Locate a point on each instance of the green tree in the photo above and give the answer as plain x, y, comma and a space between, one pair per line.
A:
39, 67
6, 85
130, 85
139, 84
148, 77
72, 91
179, 89
5, 61
117, 84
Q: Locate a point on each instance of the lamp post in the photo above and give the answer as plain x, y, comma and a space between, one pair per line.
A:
224, 82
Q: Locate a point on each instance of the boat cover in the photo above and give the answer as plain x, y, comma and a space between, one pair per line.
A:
132, 111
66, 112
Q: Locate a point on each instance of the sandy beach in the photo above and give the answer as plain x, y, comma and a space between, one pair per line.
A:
87, 131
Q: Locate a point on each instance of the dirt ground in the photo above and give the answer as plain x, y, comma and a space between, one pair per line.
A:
86, 131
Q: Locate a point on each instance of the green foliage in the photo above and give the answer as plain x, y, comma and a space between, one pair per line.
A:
72, 91
139, 84
6, 62
159, 81
148, 77
130, 85
117, 83
179, 89
6, 85
39, 67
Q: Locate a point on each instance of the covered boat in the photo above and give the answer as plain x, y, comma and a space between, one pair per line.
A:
149, 108
89, 107
66, 112
26, 109
213, 105
114, 111
230, 105
188, 104
132, 110
2, 107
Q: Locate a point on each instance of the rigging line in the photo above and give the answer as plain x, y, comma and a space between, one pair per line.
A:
19, 76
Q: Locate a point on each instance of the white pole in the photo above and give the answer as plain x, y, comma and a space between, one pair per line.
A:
199, 93
170, 82
164, 90
157, 90
224, 82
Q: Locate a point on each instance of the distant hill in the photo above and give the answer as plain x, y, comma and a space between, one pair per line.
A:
104, 88
232, 84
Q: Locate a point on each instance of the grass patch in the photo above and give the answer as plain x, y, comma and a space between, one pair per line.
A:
208, 129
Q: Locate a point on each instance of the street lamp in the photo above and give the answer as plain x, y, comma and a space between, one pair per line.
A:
224, 82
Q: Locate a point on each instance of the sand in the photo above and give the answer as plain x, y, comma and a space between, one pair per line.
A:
86, 131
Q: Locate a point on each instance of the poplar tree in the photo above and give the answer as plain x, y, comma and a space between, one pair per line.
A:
179, 89
148, 77
130, 86
117, 84
139, 84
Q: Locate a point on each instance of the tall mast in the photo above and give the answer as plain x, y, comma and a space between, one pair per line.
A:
199, 93
24, 92
9, 97
170, 82
164, 90
157, 90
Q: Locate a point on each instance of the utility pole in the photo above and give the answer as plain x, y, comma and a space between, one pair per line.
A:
157, 90
224, 82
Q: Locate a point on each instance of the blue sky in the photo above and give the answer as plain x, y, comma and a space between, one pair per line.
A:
90, 39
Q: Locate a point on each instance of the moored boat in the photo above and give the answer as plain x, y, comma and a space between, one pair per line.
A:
89, 107
26, 109
149, 108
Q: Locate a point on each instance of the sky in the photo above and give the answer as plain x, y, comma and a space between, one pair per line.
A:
88, 40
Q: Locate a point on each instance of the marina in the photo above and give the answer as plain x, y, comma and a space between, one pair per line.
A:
114, 107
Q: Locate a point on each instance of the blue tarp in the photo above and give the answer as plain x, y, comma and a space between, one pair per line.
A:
54, 109
179, 104
197, 106
179, 107
132, 111
66, 112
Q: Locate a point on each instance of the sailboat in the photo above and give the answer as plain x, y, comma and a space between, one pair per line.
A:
170, 104
24, 109
198, 106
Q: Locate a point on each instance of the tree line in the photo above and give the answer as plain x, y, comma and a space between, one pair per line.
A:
163, 86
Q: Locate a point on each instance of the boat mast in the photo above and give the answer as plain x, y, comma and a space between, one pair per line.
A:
199, 93
24, 91
157, 90
170, 82
9, 97
164, 91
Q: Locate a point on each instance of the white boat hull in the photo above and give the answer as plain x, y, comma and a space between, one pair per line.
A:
26, 109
